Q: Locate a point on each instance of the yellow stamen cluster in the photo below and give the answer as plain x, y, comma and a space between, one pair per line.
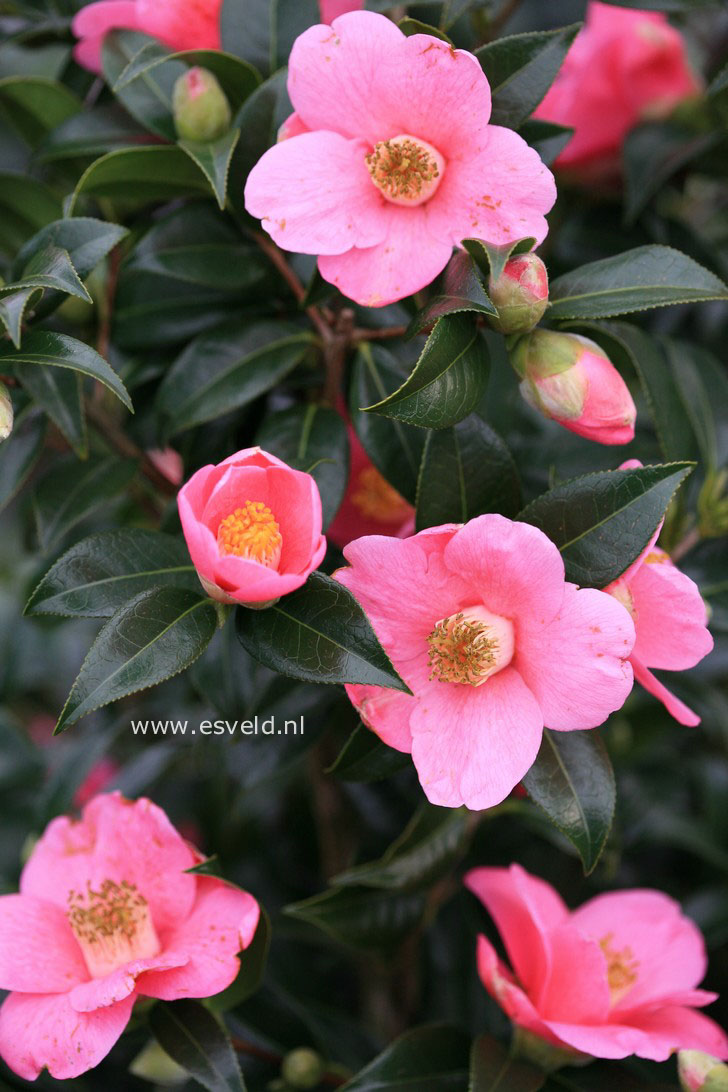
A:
401, 168
376, 499
621, 968
115, 910
461, 650
251, 532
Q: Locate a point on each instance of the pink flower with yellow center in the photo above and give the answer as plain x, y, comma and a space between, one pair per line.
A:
670, 620
108, 913
390, 161
494, 644
371, 506
616, 977
252, 526
626, 66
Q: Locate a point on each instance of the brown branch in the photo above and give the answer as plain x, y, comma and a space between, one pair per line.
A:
362, 333
275, 255
335, 351
117, 438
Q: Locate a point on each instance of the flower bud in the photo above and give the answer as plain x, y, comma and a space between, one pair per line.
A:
201, 110
303, 1068
521, 294
700, 1072
6, 413
569, 378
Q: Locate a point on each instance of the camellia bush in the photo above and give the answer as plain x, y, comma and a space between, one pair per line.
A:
363, 552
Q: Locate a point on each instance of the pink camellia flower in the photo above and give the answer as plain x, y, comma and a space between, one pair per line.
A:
253, 527
390, 160
571, 379
179, 24
616, 977
332, 9
108, 913
371, 506
625, 66
669, 617
168, 462
493, 643
99, 777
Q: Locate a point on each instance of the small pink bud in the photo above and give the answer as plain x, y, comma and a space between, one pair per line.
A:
6, 413
700, 1072
521, 294
201, 110
569, 378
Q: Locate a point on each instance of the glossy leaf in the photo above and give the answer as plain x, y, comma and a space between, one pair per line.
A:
652, 154
98, 575
318, 633
36, 104
26, 205
573, 781
448, 380
466, 470
19, 457
394, 448
50, 267
637, 280
432, 1058
428, 848
253, 963
312, 438
236, 77
59, 393
149, 100
461, 289
222, 371
213, 159
152, 637
86, 240
602, 522
158, 172
49, 349
364, 757
547, 138
494, 1069
263, 33
197, 1041
13, 310
491, 259
72, 490
521, 68
361, 917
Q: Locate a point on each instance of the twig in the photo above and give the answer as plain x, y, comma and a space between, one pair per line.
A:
118, 439
335, 352
275, 255
362, 333
686, 544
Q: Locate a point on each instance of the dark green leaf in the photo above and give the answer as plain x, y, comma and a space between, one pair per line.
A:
573, 781
49, 349
466, 470
36, 104
431, 1058
148, 99
410, 26
320, 634
494, 1069
70, 491
236, 77
364, 757
652, 154
460, 290
548, 139
491, 259
311, 438
648, 276
263, 33
394, 448
100, 574
154, 636
448, 381
86, 240
213, 159
258, 119
26, 205
198, 1042
702, 386
228, 368
58, 392
362, 917
158, 172
13, 309
253, 962
521, 68
602, 522
428, 848
49, 267
91, 133
20, 453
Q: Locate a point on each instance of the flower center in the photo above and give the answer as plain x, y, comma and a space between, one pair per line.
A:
621, 968
112, 926
376, 499
251, 532
624, 596
405, 170
470, 646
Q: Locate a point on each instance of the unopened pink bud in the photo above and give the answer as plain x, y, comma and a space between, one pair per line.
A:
201, 110
521, 294
700, 1072
569, 378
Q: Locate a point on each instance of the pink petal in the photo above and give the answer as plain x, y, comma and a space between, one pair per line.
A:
38, 951
576, 665
182, 24
525, 909
502, 986
575, 988
94, 20
471, 745
670, 616
363, 78
517, 570
386, 712
296, 503
682, 713
100, 992
332, 9
40, 1031
222, 924
654, 1035
250, 582
314, 195
498, 190
118, 840
235, 486
87, 53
